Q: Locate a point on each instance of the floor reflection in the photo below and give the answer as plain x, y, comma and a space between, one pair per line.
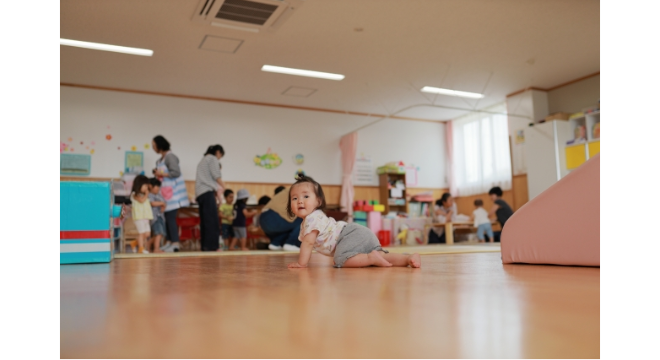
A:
466, 305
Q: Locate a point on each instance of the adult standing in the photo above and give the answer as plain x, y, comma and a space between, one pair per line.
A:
173, 189
207, 183
281, 229
445, 210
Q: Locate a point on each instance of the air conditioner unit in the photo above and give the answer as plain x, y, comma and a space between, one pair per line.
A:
247, 15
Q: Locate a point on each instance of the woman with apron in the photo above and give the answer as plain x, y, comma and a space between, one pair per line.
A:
173, 189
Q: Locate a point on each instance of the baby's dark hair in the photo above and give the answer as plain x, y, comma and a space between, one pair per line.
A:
496, 190
138, 182
227, 192
241, 201
154, 182
318, 190
478, 202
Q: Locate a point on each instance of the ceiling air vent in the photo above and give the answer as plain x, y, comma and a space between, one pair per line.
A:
247, 15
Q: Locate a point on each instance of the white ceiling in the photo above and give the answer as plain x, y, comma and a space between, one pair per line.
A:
483, 46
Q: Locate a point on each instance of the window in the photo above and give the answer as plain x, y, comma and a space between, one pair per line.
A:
480, 152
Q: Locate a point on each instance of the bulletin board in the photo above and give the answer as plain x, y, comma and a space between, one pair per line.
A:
133, 159
75, 164
411, 176
363, 171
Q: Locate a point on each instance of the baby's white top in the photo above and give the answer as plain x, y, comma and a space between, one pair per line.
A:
328, 228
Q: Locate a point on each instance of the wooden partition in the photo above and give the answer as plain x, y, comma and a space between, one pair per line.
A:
519, 189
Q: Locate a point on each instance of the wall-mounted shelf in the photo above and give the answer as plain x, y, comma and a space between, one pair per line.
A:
581, 150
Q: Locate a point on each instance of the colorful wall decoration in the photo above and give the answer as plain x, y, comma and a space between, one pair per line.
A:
268, 161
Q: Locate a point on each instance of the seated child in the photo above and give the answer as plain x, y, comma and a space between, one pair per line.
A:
482, 222
240, 216
227, 215
255, 230
351, 245
158, 222
501, 209
141, 210
262, 202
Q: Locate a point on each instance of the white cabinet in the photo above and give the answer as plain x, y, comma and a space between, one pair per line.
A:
545, 155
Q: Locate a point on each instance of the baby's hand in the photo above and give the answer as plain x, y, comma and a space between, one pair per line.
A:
296, 266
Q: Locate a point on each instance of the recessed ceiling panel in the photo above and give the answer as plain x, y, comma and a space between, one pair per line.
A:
220, 44
298, 91
430, 112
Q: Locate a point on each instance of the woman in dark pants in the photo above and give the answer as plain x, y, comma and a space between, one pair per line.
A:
208, 183
173, 189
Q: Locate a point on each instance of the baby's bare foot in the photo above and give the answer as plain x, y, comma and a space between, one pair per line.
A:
378, 259
415, 260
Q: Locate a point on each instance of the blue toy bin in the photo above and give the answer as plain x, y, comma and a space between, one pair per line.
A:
116, 211
86, 211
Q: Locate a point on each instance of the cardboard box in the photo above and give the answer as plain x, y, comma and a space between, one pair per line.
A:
558, 116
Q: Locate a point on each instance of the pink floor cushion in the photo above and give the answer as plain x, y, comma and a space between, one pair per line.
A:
561, 226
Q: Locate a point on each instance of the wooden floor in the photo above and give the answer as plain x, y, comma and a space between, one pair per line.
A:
456, 305
460, 248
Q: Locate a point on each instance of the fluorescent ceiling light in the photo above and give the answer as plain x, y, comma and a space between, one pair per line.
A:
435, 90
309, 73
106, 47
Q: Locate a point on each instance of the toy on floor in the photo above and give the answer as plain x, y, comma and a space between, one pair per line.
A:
408, 236
402, 235
86, 225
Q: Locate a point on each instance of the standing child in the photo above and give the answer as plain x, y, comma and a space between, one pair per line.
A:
351, 245
158, 222
239, 223
227, 215
501, 209
141, 210
482, 222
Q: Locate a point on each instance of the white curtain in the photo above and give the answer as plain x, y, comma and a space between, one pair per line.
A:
480, 155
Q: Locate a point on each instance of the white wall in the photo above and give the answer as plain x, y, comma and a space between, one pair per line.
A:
244, 131
534, 105
421, 144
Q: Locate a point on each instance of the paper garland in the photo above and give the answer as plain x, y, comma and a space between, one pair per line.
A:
268, 160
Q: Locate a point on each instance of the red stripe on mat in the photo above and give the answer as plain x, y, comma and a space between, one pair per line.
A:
87, 234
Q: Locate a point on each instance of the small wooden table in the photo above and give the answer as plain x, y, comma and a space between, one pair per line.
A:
449, 229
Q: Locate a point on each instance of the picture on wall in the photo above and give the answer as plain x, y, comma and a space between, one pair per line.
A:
520, 137
268, 161
363, 171
134, 161
75, 164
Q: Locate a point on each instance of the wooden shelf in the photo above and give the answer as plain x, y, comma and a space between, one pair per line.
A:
579, 152
384, 192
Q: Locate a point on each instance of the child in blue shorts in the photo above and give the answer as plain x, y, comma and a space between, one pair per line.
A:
482, 222
158, 222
